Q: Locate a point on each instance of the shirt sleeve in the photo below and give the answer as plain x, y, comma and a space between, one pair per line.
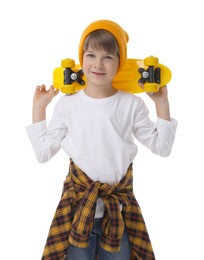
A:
157, 136
46, 140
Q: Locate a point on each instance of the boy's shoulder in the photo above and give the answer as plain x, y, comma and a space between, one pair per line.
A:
67, 100
129, 96
70, 96
131, 100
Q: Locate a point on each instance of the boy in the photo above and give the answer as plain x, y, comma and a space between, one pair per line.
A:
98, 213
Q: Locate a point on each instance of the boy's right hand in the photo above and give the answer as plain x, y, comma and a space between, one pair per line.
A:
43, 97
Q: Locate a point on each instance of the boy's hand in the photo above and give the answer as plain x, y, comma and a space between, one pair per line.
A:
43, 97
159, 96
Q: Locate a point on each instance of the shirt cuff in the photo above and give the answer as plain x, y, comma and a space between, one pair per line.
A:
172, 123
36, 126
34, 130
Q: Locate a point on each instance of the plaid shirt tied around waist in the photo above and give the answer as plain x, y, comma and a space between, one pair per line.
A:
73, 219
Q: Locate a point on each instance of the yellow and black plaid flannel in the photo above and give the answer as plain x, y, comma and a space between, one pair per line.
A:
74, 217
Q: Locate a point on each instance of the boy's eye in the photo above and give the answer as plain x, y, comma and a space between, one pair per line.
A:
89, 55
108, 57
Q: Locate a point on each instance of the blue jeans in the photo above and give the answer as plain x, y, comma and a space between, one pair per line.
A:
89, 253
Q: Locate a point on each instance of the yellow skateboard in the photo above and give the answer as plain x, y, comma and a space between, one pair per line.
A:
69, 78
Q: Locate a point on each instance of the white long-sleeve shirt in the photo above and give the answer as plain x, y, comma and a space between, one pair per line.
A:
98, 134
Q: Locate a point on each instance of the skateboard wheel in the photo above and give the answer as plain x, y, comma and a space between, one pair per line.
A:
151, 87
67, 63
151, 61
68, 89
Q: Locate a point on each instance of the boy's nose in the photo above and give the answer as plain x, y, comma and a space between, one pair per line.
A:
98, 63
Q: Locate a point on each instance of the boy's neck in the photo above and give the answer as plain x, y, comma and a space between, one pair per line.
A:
99, 93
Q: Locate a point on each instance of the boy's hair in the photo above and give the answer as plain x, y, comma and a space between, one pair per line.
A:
102, 39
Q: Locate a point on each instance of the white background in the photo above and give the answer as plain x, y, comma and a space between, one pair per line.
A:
35, 35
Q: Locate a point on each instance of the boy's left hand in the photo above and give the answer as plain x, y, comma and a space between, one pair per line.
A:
162, 94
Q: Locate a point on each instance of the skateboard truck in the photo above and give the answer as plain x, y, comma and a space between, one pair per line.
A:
71, 76
150, 75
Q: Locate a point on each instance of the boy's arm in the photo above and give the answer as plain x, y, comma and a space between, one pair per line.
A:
162, 109
39, 114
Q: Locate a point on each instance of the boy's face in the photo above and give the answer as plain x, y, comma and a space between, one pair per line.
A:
99, 66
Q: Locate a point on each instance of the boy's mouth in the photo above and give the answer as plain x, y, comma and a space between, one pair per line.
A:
98, 73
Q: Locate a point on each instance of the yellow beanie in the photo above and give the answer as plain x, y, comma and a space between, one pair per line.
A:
118, 32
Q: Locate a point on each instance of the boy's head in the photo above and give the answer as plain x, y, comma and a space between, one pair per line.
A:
98, 35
